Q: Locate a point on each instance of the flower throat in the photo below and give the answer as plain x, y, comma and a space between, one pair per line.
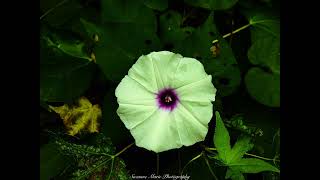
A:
167, 99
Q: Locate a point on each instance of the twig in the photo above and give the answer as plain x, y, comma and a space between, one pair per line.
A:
127, 147
209, 167
233, 32
157, 163
51, 9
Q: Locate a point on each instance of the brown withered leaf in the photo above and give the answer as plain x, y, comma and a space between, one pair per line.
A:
83, 116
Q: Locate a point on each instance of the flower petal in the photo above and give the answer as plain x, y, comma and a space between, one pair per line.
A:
143, 72
165, 130
201, 111
165, 64
192, 129
133, 115
129, 91
199, 91
188, 71
158, 133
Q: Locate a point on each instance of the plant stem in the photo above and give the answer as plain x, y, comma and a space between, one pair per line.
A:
193, 159
268, 159
260, 157
209, 167
179, 161
233, 32
127, 147
157, 163
111, 169
51, 9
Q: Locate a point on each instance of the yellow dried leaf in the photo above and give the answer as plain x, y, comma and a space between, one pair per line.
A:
84, 116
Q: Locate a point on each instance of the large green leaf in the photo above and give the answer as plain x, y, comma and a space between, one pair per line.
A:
128, 32
213, 4
221, 139
264, 87
62, 42
170, 29
264, 24
265, 52
252, 165
75, 49
242, 145
197, 43
52, 163
65, 71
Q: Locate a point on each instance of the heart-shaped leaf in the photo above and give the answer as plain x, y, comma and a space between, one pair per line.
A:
264, 87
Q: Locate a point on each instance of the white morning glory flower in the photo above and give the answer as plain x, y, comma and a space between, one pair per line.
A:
166, 101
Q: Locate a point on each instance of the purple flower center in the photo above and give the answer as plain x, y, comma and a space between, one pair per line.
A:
167, 99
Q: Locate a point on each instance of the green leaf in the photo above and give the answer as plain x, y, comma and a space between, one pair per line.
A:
266, 53
62, 77
197, 44
234, 174
52, 163
213, 4
264, 24
128, 32
252, 165
159, 5
221, 139
264, 21
73, 48
170, 29
242, 146
263, 87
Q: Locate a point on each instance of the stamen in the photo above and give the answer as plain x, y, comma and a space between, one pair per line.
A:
167, 99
